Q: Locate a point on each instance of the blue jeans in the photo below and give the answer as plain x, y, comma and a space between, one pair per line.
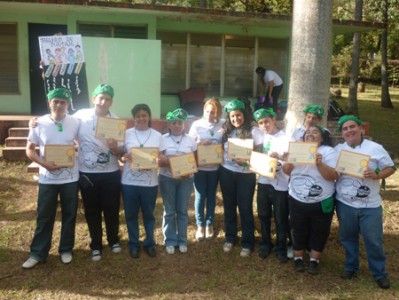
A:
238, 191
134, 199
176, 195
205, 185
46, 210
368, 223
268, 200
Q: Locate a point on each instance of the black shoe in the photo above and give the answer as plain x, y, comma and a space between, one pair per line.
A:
282, 258
134, 253
313, 267
383, 283
150, 251
298, 265
263, 253
348, 275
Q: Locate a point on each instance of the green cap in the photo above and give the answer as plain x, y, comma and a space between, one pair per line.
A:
314, 109
61, 93
177, 115
263, 113
234, 105
347, 118
103, 89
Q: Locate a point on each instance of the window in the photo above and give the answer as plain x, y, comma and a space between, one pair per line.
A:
113, 31
9, 59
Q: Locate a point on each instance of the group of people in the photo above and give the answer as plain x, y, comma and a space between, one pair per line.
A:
301, 197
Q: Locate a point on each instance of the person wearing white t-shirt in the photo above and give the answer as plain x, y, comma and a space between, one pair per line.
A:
274, 85
359, 202
175, 191
56, 128
313, 116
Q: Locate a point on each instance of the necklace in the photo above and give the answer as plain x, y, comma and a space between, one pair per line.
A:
177, 143
211, 132
58, 124
142, 144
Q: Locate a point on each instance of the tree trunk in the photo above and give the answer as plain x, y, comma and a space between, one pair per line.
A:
311, 52
203, 3
351, 104
385, 97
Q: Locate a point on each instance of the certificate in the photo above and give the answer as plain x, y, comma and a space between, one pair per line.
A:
239, 148
111, 128
352, 163
302, 153
263, 164
183, 164
144, 158
61, 155
210, 154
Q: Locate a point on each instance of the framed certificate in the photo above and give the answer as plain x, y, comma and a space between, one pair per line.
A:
183, 164
111, 128
240, 148
61, 155
352, 163
210, 154
302, 153
144, 158
263, 164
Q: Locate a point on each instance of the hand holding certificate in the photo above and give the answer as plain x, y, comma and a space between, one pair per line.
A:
144, 158
61, 155
239, 148
210, 154
183, 165
111, 128
352, 163
302, 153
263, 164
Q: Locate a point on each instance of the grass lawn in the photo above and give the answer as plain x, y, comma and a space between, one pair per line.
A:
205, 271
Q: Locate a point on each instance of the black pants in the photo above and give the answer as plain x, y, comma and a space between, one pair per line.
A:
275, 94
101, 195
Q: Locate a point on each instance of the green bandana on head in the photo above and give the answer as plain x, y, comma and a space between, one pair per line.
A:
177, 115
314, 109
103, 89
60, 93
234, 105
347, 118
263, 113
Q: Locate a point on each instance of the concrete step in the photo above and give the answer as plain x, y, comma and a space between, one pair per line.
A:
32, 168
18, 131
16, 153
16, 141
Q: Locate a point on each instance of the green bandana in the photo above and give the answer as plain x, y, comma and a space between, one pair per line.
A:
314, 109
60, 93
347, 118
234, 105
177, 115
103, 89
263, 113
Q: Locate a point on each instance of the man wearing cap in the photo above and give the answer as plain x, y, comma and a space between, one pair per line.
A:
274, 85
56, 128
313, 116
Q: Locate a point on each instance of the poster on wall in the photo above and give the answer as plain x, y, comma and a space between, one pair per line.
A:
63, 63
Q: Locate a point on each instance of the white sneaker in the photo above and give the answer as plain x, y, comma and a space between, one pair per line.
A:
95, 255
200, 234
66, 257
170, 249
227, 247
30, 263
183, 249
290, 252
245, 252
209, 232
116, 248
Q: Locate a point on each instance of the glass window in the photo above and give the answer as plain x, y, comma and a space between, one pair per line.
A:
9, 59
113, 31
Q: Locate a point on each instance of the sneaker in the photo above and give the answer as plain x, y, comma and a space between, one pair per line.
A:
227, 247
264, 252
66, 257
200, 234
298, 265
209, 232
116, 248
30, 263
290, 252
383, 283
170, 249
348, 275
95, 255
313, 267
282, 258
245, 252
183, 249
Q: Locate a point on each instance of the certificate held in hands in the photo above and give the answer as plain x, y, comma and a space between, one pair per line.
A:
239, 148
144, 158
352, 163
210, 154
183, 165
61, 155
111, 128
302, 153
263, 164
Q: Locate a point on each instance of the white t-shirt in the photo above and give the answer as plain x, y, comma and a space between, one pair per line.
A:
201, 130
357, 192
307, 184
257, 136
272, 76
299, 132
46, 132
94, 155
176, 145
135, 138
276, 143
